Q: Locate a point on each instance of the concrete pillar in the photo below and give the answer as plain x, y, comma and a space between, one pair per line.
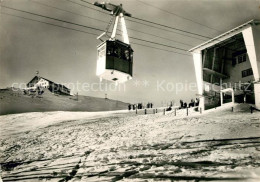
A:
233, 96
197, 60
252, 41
213, 64
251, 37
257, 95
202, 103
221, 98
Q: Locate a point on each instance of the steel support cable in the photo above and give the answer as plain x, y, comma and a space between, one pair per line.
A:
88, 32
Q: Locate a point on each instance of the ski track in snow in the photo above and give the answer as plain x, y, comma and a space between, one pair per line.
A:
220, 146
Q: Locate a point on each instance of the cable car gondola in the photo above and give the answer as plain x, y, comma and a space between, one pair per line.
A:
115, 57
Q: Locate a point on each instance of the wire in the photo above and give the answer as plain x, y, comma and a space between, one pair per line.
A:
89, 27
139, 22
158, 44
177, 15
162, 25
53, 18
106, 22
87, 7
69, 12
86, 2
87, 32
160, 49
170, 27
165, 30
159, 37
50, 24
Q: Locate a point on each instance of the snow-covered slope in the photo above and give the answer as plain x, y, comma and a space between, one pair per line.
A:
215, 146
16, 102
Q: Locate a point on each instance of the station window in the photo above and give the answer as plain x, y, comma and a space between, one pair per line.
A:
241, 58
247, 72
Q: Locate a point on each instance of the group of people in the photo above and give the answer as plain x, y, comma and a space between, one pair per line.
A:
149, 105
193, 103
139, 106
183, 105
133, 106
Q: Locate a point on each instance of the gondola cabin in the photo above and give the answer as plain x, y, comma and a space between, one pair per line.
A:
115, 61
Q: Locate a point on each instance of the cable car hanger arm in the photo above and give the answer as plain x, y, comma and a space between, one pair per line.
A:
114, 9
118, 12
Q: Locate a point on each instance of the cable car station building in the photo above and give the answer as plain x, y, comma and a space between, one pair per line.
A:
227, 67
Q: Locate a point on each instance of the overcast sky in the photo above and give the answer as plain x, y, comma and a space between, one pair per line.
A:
68, 56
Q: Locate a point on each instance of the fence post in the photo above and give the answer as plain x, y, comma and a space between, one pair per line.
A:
156, 111
144, 111
232, 109
163, 111
187, 111
136, 111
200, 110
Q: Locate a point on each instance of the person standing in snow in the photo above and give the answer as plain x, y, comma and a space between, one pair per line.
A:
181, 104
